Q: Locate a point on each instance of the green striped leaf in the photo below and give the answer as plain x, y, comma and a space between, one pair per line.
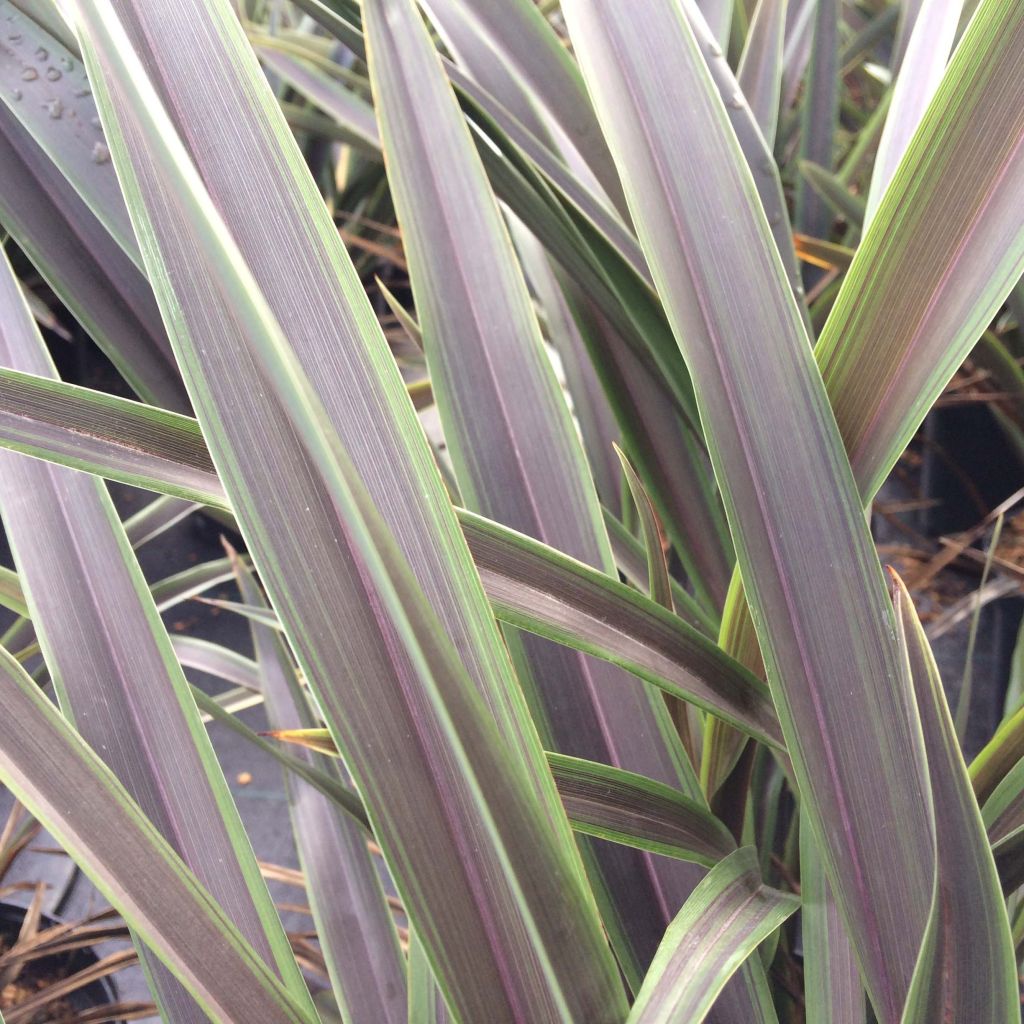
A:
929, 274
90, 605
11, 594
967, 969
1009, 855
668, 457
347, 109
77, 235
353, 923
819, 116
159, 515
69, 244
426, 1002
943, 251
167, 593
540, 590
604, 259
828, 643
590, 405
121, 440
1003, 811
999, 756
340, 18
222, 662
729, 914
147, 447
627, 808
515, 33
472, 797
631, 561
530, 584
920, 72
547, 592
608, 803
834, 192
516, 454
58, 111
214, 709
68, 788
832, 985
760, 69
658, 579
758, 155
480, 56
1003, 815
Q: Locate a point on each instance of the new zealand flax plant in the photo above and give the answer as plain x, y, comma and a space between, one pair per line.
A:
604, 664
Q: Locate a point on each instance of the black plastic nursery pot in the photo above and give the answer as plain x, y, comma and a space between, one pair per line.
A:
968, 468
38, 974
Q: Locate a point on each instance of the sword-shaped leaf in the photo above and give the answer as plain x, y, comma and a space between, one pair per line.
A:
1003, 811
180, 586
539, 590
542, 590
832, 985
967, 969
426, 1001
348, 109
819, 115
353, 923
590, 406
472, 796
760, 70
517, 35
158, 516
629, 637
116, 676
1009, 856
608, 803
758, 155
51, 770
11, 595
77, 235
833, 190
944, 249
1003, 814
216, 660
631, 561
475, 52
920, 73
214, 709
999, 756
627, 808
598, 252
670, 461
814, 581
55, 106
688, 720
729, 914
98, 433
516, 454
530, 584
